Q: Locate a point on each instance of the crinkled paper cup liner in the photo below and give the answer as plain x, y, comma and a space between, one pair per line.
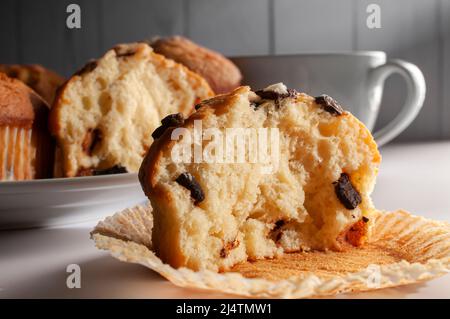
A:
404, 249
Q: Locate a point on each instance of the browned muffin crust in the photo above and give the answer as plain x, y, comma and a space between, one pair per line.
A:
222, 75
19, 105
42, 80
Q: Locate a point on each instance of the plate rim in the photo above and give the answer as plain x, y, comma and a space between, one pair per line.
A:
67, 184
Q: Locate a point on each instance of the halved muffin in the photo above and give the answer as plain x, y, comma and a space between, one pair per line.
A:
104, 113
311, 192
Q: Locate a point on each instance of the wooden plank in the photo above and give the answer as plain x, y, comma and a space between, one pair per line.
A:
37, 26
313, 26
445, 37
68, 49
84, 44
233, 27
409, 30
40, 34
127, 21
8, 31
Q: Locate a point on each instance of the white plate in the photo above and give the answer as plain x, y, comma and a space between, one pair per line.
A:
48, 202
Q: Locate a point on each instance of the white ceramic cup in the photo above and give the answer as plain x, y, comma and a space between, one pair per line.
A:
354, 79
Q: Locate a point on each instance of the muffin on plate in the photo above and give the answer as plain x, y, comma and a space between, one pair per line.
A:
222, 75
43, 81
311, 191
104, 115
26, 147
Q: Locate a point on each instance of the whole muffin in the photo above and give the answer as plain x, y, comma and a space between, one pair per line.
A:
307, 189
26, 147
43, 81
222, 75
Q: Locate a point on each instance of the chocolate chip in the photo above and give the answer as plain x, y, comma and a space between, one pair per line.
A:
329, 104
365, 219
116, 169
172, 120
197, 106
276, 96
278, 237
123, 51
90, 66
346, 192
278, 224
159, 132
188, 181
225, 251
176, 119
276, 233
272, 95
90, 140
268, 95
254, 105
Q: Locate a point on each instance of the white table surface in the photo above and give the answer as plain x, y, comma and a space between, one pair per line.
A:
33, 262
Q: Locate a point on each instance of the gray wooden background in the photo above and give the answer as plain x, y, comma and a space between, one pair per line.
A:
416, 30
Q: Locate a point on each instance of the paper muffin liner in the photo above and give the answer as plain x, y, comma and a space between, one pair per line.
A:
25, 153
403, 249
16, 153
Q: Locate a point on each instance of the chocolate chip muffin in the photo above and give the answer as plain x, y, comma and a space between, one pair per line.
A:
26, 147
43, 81
222, 75
104, 115
311, 192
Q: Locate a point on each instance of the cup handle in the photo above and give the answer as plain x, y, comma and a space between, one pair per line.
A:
415, 84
